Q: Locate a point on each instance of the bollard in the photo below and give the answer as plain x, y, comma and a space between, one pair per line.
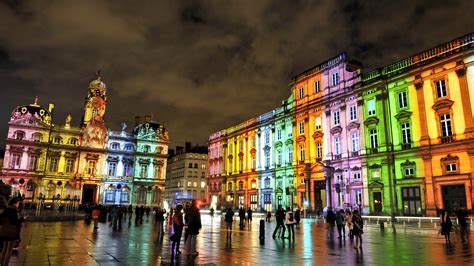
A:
382, 226
435, 226
404, 224
262, 232
419, 224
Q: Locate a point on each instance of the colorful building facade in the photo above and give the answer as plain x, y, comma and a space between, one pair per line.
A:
398, 139
71, 165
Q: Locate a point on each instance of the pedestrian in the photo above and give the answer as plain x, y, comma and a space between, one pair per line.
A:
211, 211
350, 225
461, 215
159, 219
249, 217
269, 216
147, 211
279, 217
142, 213
178, 226
242, 217
446, 226
229, 219
10, 229
137, 214
330, 222
130, 212
114, 214
357, 230
95, 216
341, 223
297, 216
193, 218
290, 224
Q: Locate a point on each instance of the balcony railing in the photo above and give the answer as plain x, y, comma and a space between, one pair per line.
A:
337, 157
447, 139
406, 146
354, 154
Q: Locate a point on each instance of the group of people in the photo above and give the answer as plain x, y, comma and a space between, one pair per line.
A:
342, 218
188, 217
11, 220
289, 219
447, 225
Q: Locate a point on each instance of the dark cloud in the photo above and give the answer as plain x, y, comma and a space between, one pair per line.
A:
200, 66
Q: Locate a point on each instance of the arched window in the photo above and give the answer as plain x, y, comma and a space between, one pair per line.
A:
241, 185
73, 141
129, 147
115, 146
19, 135
146, 148
229, 186
37, 137
58, 140
110, 194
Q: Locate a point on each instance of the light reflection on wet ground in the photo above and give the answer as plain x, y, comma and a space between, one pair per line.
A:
75, 243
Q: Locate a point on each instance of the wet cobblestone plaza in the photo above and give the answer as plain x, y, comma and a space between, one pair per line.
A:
76, 243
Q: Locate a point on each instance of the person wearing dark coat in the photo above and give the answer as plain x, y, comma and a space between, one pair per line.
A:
193, 218
446, 226
297, 216
242, 217
280, 217
330, 221
10, 233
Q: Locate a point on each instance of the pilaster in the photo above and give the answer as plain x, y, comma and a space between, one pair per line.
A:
466, 104
424, 140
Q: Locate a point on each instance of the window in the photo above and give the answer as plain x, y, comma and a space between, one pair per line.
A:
115, 146
143, 170
290, 132
241, 185
301, 127
356, 176
127, 169
124, 196
110, 195
317, 123
355, 141
58, 140
190, 165
406, 135
70, 162
450, 168
229, 186
409, 171
336, 118
33, 162
373, 138
267, 182
402, 100
196, 165
53, 164
411, 198
267, 159
15, 161
203, 166
301, 153
441, 90
146, 148
446, 129
279, 134
253, 184
254, 162
241, 165
267, 137
190, 184
290, 155
37, 137
112, 169
279, 157
334, 79
337, 145
195, 184
91, 167
231, 166
253, 142
128, 147
358, 196
301, 93
319, 150
353, 112
19, 135
316, 86
203, 184
241, 146
371, 107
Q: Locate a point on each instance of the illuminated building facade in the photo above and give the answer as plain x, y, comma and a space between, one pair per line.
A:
69, 165
398, 139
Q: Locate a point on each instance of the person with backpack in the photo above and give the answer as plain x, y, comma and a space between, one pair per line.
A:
290, 224
229, 219
280, 217
357, 230
10, 231
178, 225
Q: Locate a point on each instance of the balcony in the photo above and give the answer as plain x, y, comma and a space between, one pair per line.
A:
447, 139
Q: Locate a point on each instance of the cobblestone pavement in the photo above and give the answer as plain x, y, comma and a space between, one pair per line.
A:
76, 243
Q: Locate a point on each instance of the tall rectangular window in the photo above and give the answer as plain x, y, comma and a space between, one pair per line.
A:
70, 163
241, 146
446, 129
301, 93
33, 162
112, 169
301, 127
334, 79
15, 161
402, 100
279, 134
373, 138
336, 118
317, 123
127, 169
406, 135
254, 162
355, 141
353, 112
53, 164
91, 167
337, 145
267, 159
290, 155
441, 90
279, 157
371, 107
267, 137
241, 165
301, 153
253, 142
319, 150
317, 86
143, 170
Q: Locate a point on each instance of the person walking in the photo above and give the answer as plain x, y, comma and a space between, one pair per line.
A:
280, 217
114, 214
95, 216
242, 217
341, 223
10, 232
330, 222
159, 219
462, 215
290, 224
297, 216
178, 225
249, 217
130, 212
357, 230
193, 217
229, 219
350, 225
446, 226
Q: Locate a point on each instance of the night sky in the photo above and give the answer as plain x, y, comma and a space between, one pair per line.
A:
199, 66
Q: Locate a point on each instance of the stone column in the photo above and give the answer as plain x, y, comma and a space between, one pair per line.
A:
430, 206
466, 103
424, 140
470, 152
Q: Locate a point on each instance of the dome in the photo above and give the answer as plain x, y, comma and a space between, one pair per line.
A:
32, 110
97, 83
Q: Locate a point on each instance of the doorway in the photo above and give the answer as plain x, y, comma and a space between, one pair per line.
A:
88, 193
377, 202
454, 197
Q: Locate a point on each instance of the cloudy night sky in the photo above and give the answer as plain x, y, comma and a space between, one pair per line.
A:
199, 66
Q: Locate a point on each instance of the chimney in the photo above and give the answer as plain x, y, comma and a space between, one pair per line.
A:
187, 146
137, 120
147, 118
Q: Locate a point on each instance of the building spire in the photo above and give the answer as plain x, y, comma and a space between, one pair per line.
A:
98, 74
36, 102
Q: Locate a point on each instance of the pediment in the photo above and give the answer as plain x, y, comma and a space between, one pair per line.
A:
318, 134
336, 130
300, 138
443, 104
371, 120
375, 184
353, 125
278, 144
289, 141
403, 114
